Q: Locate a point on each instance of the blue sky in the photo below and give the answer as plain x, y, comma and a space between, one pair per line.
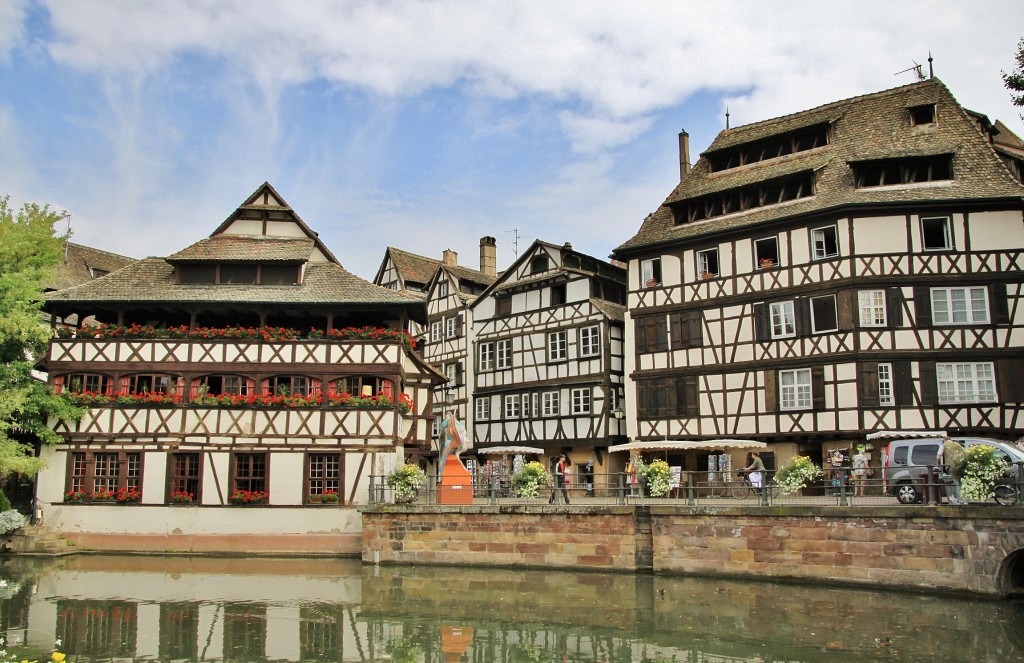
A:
426, 125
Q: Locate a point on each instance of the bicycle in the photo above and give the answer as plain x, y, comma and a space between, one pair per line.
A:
743, 489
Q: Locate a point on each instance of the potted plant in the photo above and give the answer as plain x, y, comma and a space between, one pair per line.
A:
406, 482
249, 497
796, 474
657, 477
182, 497
765, 263
326, 497
707, 275
527, 481
978, 471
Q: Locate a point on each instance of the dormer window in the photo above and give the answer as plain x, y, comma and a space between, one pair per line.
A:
238, 274
442, 289
908, 170
742, 199
539, 264
772, 147
924, 114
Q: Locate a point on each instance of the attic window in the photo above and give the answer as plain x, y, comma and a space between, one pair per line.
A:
909, 170
539, 264
799, 140
924, 114
761, 194
238, 274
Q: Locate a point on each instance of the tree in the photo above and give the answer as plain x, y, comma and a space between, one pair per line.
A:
1014, 81
29, 251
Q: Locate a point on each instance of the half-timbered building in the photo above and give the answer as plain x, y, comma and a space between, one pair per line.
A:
448, 340
548, 355
248, 370
814, 277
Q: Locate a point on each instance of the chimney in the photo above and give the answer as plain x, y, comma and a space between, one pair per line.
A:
488, 256
684, 154
450, 259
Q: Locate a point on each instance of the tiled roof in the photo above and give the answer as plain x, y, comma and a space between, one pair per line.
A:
867, 127
413, 268
151, 280
246, 248
81, 264
612, 310
471, 275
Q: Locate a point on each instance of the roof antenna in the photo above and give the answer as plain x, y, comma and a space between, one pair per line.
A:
931, 72
67, 233
726, 118
916, 69
515, 243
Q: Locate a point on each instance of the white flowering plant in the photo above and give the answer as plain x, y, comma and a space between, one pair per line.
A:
658, 476
11, 520
406, 480
527, 481
981, 468
796, 474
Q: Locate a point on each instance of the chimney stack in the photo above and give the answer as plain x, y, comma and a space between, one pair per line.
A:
684, 154
450, 259
488, 256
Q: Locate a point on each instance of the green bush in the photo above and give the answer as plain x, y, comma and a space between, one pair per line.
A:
526, 482
5, 504
796, 474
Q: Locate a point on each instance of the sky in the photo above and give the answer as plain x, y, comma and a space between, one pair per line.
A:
428, 125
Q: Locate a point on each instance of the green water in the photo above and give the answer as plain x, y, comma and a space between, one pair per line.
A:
110, 608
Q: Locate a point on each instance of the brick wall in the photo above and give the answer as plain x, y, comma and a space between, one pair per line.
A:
936, 548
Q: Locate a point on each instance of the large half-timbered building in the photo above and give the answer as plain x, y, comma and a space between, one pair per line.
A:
851, 268
548, 355
247, 370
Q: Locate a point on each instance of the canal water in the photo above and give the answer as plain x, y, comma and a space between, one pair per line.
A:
133, 608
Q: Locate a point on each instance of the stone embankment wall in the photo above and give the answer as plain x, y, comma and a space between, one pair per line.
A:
972, 549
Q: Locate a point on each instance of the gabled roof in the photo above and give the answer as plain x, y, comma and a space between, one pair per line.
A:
84, 263
867, 127
411, 267
246, 248
460, 275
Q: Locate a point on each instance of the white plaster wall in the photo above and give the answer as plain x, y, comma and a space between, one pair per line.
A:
996, 231
879, 235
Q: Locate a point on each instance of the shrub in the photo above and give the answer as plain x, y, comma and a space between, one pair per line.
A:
981, 468
527, 481
796, 474
658, 476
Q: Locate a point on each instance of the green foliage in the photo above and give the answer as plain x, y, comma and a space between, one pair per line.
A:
526, 482
955, 457
796, 474
5, 504
981, 468
29, 250
1014, 80
659, 477
406, 480
403, 650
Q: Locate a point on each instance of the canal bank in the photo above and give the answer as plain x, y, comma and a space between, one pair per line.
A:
978, 550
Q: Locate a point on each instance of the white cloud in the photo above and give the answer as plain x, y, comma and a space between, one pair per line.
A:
12, 26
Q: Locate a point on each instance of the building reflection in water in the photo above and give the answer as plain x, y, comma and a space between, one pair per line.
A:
106, 608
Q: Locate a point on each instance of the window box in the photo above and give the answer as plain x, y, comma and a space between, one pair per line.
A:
250, 497
327, 497
182, 497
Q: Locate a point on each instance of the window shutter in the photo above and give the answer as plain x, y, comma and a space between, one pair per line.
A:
998, 303
660, 333
126, 383
690, 404
818, 387
802, 313
58, 384
922, 306
643, 335
762, 325
680, 335
1011, 387
643, 398
771, 392
868, 384
929, 386
458, 373
894, 307
846, 309
458, 325
903, 384
694, 321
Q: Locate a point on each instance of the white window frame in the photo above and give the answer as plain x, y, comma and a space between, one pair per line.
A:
886, 395
512, 406
814, 321
783, 319
435, 427
819, 247
442, 289
436, 330
551, 402
590, 341
764, 241
704, 264
485, 359
966, 382
947, 233
871, 307
483, 408
648, 277
531, 405
449, 327
950, 306
795, 389
451, 372
558, 345
503, 354
580, 399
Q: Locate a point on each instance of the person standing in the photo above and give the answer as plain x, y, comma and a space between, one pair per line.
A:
755, 471
561, 467
860, 469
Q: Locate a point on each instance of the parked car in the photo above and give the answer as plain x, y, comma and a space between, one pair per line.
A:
906, 462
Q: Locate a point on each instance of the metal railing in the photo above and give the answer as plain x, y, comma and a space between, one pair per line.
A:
923, 484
